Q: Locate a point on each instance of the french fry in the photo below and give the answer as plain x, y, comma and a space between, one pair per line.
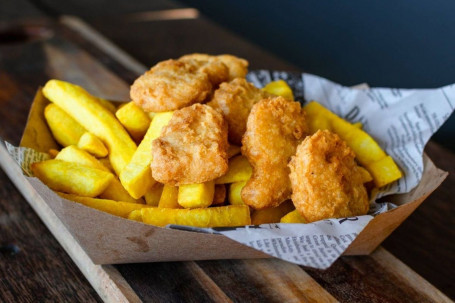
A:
279, 88
233, 150
153, 195
135, 215
74, 154
293, 217
134, 119
384, 171
64, 128
223, 216
357, 125
368, 152
93, 145
107, 164
120, 209
271, 215
239, 170
220, 194
137, 175
114, 191
235, 190
196, 195
169, 197
72, 178
88, 111
107, 104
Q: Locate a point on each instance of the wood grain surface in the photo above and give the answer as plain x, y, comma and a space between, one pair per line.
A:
39, 270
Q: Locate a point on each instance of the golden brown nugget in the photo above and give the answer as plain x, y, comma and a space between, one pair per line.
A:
192, 148
170, 85
236, 67
326, 181
274, 129
215, 69
235, 100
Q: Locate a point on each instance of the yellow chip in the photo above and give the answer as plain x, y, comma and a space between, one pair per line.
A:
384, 171
65, 129
120, 209
223, 216
235, 190
169, 197
153, 195
137, 175
88, 111
134, 119
135, 215
72, 178
239, 170
196, 195
293, 217
279, 88
93, 145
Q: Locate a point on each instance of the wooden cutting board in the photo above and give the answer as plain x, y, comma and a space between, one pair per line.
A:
72, 51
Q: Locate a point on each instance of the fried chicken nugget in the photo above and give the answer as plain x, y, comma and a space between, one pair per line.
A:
237, 67
215, 69
192, 148
274, 129
235, 100
326, 181
170, 85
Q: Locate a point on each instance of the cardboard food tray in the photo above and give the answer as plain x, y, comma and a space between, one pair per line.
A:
108, 239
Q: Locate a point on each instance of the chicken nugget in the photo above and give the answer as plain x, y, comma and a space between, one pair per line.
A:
215, 69
326, 181
238, 67
170, 85
235, 100
274, 129
192, 148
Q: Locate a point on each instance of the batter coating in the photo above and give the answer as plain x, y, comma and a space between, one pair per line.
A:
326, 181
275, 128
192, 148
235, 100
170, 85
237, 67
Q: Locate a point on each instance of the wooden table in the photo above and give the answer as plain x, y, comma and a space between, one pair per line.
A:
34, 266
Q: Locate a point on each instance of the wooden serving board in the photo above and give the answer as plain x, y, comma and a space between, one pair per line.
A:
70, 50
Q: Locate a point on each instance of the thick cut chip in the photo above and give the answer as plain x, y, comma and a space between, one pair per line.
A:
137, 175
279, 88
90, 143
134, 119
88, 111
384, 171
235, 100
275, 127
271, 215
135, 215
64, 128
153, 195
196, 195
121, 209
293, 217
169, 197
170, 85
326, 181
192, 148
234, 196
223, 216
239, 170
72, 178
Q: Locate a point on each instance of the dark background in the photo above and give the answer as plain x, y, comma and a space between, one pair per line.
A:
406, 44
